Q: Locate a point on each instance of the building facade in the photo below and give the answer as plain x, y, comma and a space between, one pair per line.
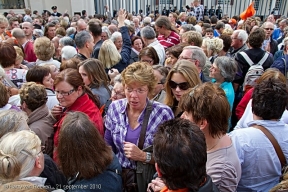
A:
229, 7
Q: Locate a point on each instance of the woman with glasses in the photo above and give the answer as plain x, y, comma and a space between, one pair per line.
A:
149, 55
206, 105
125, 117
182, 76
95, 77
159, 93
73, 95
21, 158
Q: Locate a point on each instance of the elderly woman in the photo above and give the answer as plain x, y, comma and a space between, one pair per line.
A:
33, 103
42, 75
64, 41
149, 55
21, 159
78, 130
125, 118
68, 52
223, 71
137, 46
3, 25
73, 95
108, 53
106, 34
182, 76
212, 47
206, 105
94, 76
44, 50
116, 38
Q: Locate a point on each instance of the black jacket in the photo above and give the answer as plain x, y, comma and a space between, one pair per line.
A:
208, 186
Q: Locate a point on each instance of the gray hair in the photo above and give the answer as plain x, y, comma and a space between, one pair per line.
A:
147, 21
227, 67
70, 31
18, 33
148, 33
39, 32
197, 54
82, 38
241, 34
106, 30
67, 52
188, 27
67, 41
115, 35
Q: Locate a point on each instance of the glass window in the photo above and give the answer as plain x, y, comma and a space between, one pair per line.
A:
12, 4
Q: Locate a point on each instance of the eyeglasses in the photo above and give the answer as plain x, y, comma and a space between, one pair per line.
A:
65, 93
138, 91
118, 94
185, 58
42, 150
183, 86
271, 29
147, 61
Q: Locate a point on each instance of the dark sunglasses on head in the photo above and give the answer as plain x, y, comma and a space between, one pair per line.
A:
183, 86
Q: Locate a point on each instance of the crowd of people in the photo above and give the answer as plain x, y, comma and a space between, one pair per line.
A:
171, 102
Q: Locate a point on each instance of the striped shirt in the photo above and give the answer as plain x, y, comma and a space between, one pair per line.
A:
171, 40
117, 123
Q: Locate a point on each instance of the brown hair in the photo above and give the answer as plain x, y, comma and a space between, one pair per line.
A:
81, 147
256, 38
4, 95
70, 63
47, 27
193, 36
73, 77
134, 38
43, 48
37, 73
272, 73
8, 55
61, 31
149, 52
176, 50
208, 101
163, 21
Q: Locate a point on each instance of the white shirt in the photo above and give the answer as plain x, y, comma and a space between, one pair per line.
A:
51, 61
160, 51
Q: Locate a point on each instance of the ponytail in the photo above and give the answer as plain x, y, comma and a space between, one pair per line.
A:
9, 168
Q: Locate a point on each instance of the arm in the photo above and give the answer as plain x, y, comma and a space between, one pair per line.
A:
109, 140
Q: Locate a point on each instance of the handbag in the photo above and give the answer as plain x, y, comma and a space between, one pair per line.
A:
132, 178
277, 148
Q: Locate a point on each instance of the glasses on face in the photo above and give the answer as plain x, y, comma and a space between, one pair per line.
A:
185, 58
118, 94
41, 151
147, 61
271, 29
64, 93
138, 91
183, 86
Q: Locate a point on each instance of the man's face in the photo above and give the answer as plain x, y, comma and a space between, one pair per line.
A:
15, 24
55, 10
51, 32
282, 25
27, 28
90, 44
236, 43
268, 28
81, 27
37, 21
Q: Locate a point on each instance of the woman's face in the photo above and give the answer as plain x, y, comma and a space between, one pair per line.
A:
138, 45
159, 86
48, 81
179, 79
118, 43
51, 32
18, 63
170, 61
215, 72
117, 92
54, 71
67, 94
205, 50
136, 95
147, 59
84, 76
3, 26
104, 36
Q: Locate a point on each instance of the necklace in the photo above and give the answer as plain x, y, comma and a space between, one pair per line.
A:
215, 144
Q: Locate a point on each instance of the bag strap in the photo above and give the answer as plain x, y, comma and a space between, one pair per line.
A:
144, 125
247, 58
264, 58
285, 70
274, 142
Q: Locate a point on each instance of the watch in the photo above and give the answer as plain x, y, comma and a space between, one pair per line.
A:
148, 157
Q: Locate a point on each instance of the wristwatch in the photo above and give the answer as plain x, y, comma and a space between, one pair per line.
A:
148, 157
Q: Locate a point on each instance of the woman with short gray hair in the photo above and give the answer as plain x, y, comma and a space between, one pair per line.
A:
223, 71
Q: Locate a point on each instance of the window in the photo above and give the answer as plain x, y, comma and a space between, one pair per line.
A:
12, 4
256, 4
278, 4
166, 1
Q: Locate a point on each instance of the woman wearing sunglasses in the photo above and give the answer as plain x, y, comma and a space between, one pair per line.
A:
182, 76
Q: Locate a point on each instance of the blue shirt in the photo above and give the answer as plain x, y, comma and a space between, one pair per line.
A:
229, 91
261, 167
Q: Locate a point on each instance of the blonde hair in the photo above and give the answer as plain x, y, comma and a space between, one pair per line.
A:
18, 155
19, 52
43, 48
227, 31
189, 72
193, 36
3, 19
215, 45
109, 54
139, 72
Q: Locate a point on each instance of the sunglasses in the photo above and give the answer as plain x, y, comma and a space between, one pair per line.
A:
269, 29
183, 86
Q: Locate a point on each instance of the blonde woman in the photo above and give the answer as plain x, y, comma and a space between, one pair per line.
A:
212, 47
109, 54
3, 26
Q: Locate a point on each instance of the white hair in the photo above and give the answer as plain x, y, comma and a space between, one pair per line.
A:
67, 52
198, 28
115, 35
242, 34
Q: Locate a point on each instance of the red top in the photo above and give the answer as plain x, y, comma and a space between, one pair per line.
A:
243, 103
29, 52
171, 40
83, 104
165, 189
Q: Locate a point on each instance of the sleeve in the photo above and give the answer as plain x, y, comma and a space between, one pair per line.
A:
109, 126
237, 143
243, 103
109, 140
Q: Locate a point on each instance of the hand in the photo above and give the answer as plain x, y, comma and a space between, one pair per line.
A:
24, 67
156, 184
112, 73
121, 18
133, 152
267, 48
57, 111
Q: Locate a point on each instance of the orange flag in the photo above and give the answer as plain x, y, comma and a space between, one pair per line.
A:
249, 12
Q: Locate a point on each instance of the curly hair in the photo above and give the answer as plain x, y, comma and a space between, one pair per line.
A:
215, 45
44, 49
269, 99
34, 95
208, 101
256, 38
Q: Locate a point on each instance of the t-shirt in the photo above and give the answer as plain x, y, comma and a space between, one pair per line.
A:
223, 166
171, 40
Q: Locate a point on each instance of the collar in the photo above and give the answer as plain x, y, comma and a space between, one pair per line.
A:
137, 52
40, 181
38, 114
25, 44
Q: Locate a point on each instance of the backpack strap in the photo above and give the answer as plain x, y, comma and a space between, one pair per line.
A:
264, 58
247, 58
